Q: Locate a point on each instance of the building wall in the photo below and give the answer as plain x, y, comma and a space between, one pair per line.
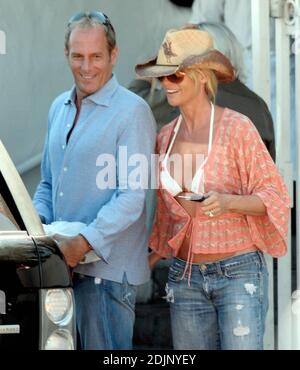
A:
33, 71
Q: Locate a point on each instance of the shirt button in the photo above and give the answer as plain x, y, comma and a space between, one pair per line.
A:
61, 194
65, 169
68, 125
64, 147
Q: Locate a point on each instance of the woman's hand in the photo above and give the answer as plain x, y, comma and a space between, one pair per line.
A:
216, 204
153, 258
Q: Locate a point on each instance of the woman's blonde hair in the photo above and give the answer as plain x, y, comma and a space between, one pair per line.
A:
226, 42
211, 86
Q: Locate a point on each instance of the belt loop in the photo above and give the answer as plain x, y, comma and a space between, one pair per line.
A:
219, 269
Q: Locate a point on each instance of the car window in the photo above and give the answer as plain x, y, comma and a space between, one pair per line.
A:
7, 221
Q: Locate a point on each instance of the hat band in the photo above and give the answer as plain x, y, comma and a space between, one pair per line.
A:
167, 65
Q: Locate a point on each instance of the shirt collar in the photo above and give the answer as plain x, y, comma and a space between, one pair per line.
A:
100, 97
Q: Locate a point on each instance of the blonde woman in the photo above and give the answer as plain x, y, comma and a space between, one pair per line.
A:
221, 203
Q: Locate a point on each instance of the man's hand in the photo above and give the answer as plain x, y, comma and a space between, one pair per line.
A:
73, 248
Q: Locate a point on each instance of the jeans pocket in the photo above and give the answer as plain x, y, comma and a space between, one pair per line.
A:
175, 274
244, 270
129, 294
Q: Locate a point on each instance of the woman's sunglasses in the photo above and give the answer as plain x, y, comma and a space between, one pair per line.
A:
175, 78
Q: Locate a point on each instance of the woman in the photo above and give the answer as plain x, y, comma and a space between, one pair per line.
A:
218, 281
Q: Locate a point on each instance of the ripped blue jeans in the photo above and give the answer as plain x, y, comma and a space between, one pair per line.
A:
225, 306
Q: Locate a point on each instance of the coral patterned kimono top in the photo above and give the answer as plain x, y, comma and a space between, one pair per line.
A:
239, 164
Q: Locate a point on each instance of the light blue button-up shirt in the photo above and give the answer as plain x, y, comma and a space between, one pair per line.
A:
111, 118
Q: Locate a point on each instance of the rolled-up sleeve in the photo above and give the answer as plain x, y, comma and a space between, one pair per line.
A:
269, 232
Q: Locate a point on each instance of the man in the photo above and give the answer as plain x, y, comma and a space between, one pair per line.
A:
90, 126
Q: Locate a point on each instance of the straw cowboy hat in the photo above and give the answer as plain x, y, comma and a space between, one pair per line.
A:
185, 48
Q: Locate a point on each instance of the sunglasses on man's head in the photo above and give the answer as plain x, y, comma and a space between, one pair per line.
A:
101, 18
175, 78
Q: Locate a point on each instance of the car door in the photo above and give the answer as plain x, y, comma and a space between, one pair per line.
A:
36, 297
